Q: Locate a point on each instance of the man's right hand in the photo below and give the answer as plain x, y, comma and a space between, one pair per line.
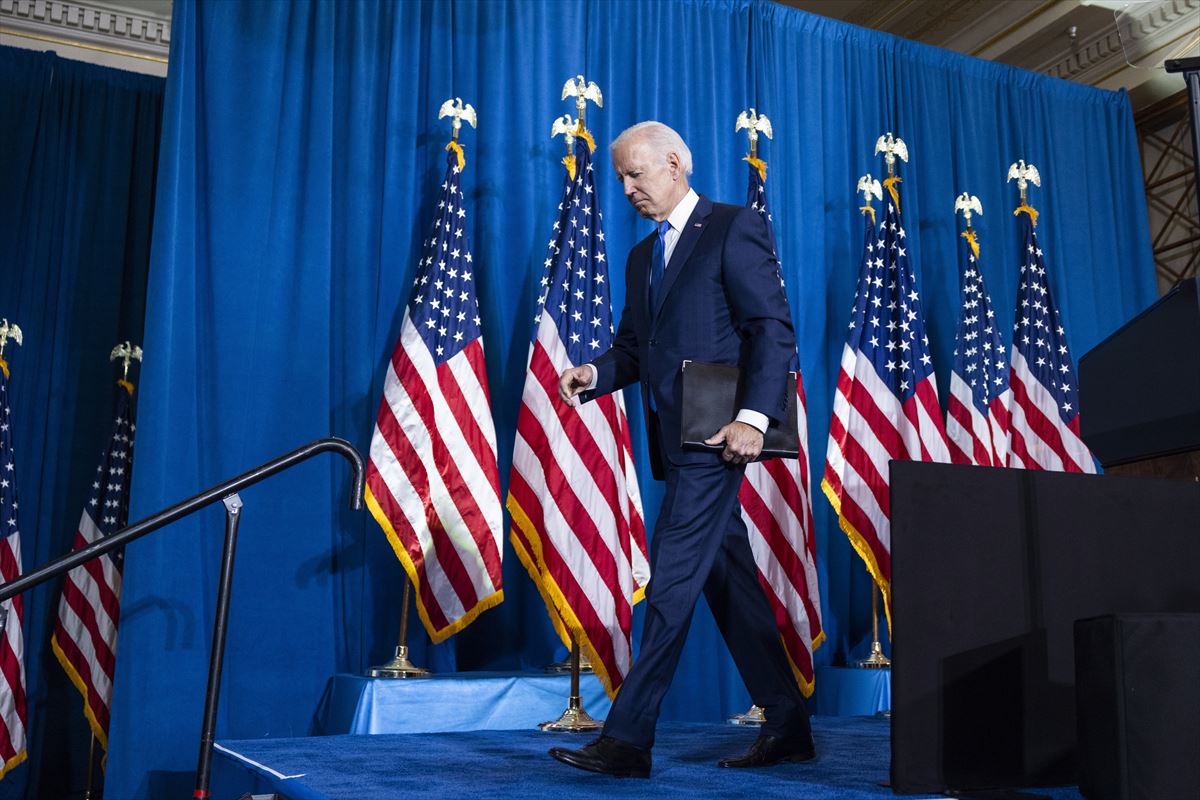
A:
573, 381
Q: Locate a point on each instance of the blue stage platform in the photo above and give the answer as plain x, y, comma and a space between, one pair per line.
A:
851, 764
474, 735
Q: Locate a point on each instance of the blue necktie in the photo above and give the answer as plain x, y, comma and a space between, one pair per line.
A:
658, 268
658, 263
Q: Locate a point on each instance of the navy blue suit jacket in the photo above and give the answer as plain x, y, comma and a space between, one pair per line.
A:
721, 301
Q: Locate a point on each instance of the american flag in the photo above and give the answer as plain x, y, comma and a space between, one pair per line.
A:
777, 508
12, 646
433, 483
977, 411
1045, 400
886, 405
573, 494
85, 634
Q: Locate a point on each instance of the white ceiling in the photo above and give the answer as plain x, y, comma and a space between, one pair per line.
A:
1087, 41
161, 8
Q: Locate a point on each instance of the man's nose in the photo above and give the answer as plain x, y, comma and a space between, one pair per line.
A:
627, 185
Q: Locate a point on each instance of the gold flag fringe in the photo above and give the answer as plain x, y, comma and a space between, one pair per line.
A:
758, 164
1028, 209
972, 240
458, 151
890, 185
580, 132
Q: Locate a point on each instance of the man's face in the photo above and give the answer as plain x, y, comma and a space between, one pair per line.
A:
653, 184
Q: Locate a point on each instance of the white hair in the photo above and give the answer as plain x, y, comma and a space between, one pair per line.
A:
662, 140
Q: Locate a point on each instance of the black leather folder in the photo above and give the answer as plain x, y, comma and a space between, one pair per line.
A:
711, 400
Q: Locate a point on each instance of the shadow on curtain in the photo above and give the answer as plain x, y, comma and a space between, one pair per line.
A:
301, 156
78, 153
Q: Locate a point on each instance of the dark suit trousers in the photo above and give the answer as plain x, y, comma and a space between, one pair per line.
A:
700, 544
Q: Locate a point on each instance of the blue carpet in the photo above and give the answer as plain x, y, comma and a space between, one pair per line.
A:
853, 754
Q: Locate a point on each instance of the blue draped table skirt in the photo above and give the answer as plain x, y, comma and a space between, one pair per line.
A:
472, 701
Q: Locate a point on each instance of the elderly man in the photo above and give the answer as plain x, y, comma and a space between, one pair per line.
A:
703, 286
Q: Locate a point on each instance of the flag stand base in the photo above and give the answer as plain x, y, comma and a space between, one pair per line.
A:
877, 660
752, 717
573, 720
399, 667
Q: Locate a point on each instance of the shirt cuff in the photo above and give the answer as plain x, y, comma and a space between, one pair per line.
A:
595, 376
755, 419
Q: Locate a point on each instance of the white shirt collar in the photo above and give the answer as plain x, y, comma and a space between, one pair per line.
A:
683, 212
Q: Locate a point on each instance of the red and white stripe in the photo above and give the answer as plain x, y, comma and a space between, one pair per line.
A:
13, 713
577, 511
433, 482
870, 427
777, 508
972, 437
1039, 439
85, 636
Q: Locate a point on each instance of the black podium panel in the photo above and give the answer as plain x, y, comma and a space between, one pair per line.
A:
1137, 700
1139, 389
990, 570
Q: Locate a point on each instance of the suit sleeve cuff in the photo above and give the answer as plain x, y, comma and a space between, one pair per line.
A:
755, 419
596, 376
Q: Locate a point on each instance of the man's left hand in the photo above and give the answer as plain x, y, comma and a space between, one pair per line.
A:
743, 442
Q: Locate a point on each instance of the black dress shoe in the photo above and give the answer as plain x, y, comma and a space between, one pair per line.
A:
768, 750
609, 756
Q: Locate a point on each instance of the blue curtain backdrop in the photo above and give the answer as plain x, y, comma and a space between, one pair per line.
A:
78, 147
301, 154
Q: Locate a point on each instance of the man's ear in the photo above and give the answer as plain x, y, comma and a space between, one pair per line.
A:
675, 165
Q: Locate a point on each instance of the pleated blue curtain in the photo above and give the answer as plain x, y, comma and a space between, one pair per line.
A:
301, 158
78, 148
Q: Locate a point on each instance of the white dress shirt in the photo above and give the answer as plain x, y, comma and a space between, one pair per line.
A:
678, 220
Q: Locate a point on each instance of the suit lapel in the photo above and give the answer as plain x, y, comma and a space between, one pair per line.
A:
683, 249
646, 248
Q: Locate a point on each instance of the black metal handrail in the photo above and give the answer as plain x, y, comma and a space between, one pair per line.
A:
227, 493
180, 510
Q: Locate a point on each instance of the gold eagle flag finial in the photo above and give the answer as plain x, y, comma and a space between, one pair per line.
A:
1025, 174
127, 353
892, 147
564, 126
969, 204
582, 90
869, 188
8, 331
457, 111
754, 124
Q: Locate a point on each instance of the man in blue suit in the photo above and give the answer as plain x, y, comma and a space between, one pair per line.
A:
704, 286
